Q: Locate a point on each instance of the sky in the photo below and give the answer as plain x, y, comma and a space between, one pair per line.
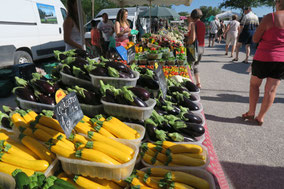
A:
260, 11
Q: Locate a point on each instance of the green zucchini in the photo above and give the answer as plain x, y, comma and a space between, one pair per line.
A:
21, 178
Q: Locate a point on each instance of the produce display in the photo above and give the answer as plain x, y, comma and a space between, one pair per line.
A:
126, 103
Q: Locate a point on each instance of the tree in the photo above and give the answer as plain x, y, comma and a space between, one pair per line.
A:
209, 11
183, 13
241, 4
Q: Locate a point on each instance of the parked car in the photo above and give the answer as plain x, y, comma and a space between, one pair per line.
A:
30, 30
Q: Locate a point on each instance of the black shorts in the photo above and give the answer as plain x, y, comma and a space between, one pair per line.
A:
246, 37
105, 46
212, 35
263, 70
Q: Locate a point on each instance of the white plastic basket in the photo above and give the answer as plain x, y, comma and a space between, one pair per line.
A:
200, 108
53, 167
127, 111
35, 106
204, 152
92, 110
7, 181
201, 173
72, 81
116, 82
101, 170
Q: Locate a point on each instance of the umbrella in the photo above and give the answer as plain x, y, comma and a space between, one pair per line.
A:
160, 12
183, 17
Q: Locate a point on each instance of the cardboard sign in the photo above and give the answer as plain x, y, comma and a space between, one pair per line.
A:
68, 112
131, 54
162, 79
122, 52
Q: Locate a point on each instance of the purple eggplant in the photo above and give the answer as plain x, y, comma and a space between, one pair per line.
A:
146, 81
81, 74
190, 86
5, 120
151, 126
24, 93
118, 66
192, 98
140, 92
81, 53
109, 96
99, 71
120, 99
45, 99
194, 130
87, 96
160, 111
138, 102
190, 117
188, 104
43, 86
124, 75
132, 99
177, 89
66, 69
166, 127
181, 137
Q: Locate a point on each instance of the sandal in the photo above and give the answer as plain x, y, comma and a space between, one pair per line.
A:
235, 59
198, 85
247, 116
258, 122
246, 62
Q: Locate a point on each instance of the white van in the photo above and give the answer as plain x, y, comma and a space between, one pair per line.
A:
30, 30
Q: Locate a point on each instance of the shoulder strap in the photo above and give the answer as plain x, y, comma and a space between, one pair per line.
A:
272, 14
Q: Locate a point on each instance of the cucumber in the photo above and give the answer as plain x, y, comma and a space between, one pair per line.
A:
21, 178
64, 184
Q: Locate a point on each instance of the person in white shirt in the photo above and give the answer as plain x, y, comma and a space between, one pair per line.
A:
107, 29
232, 31
214, 26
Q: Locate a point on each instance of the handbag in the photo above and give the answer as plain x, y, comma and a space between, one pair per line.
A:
192, 53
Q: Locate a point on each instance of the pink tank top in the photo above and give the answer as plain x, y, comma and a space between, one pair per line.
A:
271, 46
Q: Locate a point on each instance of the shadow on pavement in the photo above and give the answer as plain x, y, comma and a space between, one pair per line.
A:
237, 67
236, 98
238, 120
253, 176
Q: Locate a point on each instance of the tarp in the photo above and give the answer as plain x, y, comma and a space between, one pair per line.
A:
160, 12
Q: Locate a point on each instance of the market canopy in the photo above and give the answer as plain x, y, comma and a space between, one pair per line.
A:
160, 12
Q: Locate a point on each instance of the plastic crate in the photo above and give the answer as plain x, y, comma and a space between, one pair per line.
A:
101, 170
132, 112
116, 82
154, 56
92, 110
72, 81
193, 171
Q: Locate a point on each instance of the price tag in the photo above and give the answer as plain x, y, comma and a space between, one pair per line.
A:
68, 112
162, 79
59, 95
131, 54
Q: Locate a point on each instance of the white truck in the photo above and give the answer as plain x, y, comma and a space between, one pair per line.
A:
30, 30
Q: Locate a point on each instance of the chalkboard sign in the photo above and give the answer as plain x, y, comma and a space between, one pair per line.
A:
162, 79
68, 112
131, 54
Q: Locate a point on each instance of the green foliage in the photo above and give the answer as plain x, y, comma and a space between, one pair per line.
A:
241, 4
209, 11
183, 13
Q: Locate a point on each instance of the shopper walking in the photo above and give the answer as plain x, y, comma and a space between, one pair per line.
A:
249, 23
107, 29
231, 34
200, 30
221, 31
268, 62
122, 29
96, 39
72, 37
213, 29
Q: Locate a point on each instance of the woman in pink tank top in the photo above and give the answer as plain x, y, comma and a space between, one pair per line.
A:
121, 28
268, 62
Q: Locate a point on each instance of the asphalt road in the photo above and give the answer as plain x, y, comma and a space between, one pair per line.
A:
251, 156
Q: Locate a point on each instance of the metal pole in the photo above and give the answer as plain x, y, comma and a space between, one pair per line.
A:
93, 9
150, 16
80, 18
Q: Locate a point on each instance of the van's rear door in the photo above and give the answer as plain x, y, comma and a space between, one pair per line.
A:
50, 24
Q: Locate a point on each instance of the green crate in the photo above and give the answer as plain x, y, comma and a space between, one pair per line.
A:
49, 67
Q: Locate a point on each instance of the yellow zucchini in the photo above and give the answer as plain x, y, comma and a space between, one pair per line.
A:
37, 165
86, 183
96, 156
13, 150
114, 120
39, 149
6, 132
26, 116
18, 120
103, 131
77, 138
98, 137
26, 131
106, 183
32, 113
49, 122
65, 178
121, 183
22, 147
109, 150
117, 131
151, 160
197, 156
186, 148
65, 152
9, 169
83, 128
3, 136
178, 185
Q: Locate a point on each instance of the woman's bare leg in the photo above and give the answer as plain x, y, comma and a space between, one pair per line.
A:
255, 83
